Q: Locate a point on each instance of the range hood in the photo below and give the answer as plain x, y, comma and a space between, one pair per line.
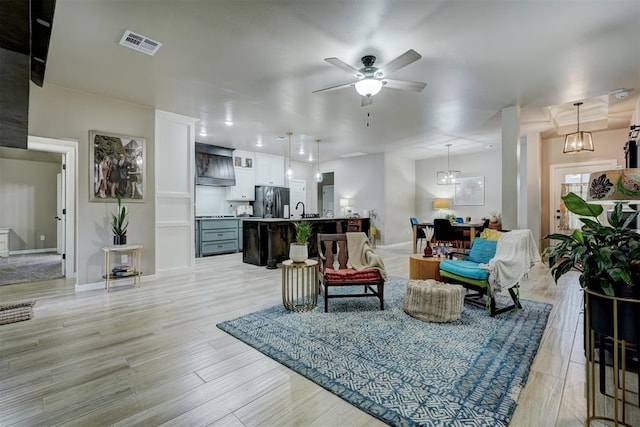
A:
214, 165
25, 30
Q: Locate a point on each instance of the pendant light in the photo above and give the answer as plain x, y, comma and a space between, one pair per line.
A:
290, 169
448, 176
318, 173
579, 140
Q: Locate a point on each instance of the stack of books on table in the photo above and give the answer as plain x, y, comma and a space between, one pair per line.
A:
123, 271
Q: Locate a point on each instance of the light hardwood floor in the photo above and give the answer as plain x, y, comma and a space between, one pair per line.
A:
153, 355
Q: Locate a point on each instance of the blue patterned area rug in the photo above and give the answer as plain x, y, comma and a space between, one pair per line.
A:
399, 369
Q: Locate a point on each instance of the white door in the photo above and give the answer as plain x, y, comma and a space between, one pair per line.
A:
297, 193
574, 178
327, 200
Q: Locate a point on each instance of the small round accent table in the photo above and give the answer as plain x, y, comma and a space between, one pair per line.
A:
300, 285
422, 268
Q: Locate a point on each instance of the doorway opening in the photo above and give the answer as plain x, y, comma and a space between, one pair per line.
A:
571, 177
59, 239
326, 195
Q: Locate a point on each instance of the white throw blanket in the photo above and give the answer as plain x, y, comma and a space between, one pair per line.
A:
516, 253
362, 256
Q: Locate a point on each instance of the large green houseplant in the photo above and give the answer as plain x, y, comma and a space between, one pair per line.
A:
607, 256
608, 260
119, 224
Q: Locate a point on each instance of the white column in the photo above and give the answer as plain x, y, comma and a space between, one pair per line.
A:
175, 158
510, 165
532, 184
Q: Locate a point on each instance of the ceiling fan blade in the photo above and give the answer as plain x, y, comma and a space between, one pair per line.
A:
344, 66
330, 88
405, 85
403, 60
366, 100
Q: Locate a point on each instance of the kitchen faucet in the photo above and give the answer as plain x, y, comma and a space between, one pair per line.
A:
298, 204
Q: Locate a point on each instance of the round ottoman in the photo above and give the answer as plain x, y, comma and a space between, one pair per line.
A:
433, 301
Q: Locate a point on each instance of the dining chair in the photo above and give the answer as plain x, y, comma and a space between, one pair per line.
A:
420, 236
443, 231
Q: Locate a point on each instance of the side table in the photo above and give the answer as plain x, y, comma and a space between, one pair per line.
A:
422, 268
300, 285
132, 271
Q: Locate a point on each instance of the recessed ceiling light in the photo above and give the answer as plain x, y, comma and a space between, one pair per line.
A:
259, 142
203, 133
228, 122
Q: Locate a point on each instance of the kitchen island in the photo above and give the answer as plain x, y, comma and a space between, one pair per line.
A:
266, 240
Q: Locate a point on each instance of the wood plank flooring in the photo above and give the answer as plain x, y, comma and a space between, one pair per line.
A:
153, 355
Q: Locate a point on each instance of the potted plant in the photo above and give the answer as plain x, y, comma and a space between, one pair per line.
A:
608, 259
119, 224
298, 251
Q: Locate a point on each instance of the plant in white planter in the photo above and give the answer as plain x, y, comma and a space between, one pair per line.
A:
298, 251
119, 224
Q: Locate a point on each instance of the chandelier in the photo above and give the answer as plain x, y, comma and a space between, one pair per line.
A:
449, 176
579, 140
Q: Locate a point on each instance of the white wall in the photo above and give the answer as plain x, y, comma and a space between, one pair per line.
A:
399, 198
486, 164
28, 203
61, 113
360, 179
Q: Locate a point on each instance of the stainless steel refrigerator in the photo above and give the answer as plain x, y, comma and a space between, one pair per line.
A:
271, 202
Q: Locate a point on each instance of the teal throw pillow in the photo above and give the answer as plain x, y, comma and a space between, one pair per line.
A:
482, 250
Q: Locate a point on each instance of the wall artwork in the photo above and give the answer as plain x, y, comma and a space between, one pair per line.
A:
469, 191
118, 165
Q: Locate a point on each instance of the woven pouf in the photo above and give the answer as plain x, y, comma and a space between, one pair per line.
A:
433, 301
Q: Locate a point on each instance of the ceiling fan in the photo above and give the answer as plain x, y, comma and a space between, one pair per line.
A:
371, 79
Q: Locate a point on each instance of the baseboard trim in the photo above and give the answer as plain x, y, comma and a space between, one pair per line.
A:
114, 283
34, 251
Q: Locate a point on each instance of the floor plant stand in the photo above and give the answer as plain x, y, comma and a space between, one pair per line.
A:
618, 414
300, 285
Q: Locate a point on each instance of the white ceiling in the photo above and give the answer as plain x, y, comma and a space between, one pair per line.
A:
257, 62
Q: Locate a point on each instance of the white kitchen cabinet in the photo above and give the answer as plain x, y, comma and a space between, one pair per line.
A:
269, 169
244, 189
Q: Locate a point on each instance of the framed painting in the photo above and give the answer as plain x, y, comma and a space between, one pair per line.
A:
118, 167
469, 191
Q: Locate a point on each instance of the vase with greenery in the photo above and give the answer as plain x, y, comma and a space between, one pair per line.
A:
607, 258
119, 224
298, 251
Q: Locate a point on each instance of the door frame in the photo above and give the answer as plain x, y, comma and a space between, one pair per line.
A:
68, 149
553, 185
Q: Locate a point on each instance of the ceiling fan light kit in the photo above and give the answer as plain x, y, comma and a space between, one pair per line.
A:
371, 79
368, 87
579, 140
449, 176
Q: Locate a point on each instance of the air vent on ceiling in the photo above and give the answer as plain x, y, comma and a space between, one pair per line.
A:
140, 43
